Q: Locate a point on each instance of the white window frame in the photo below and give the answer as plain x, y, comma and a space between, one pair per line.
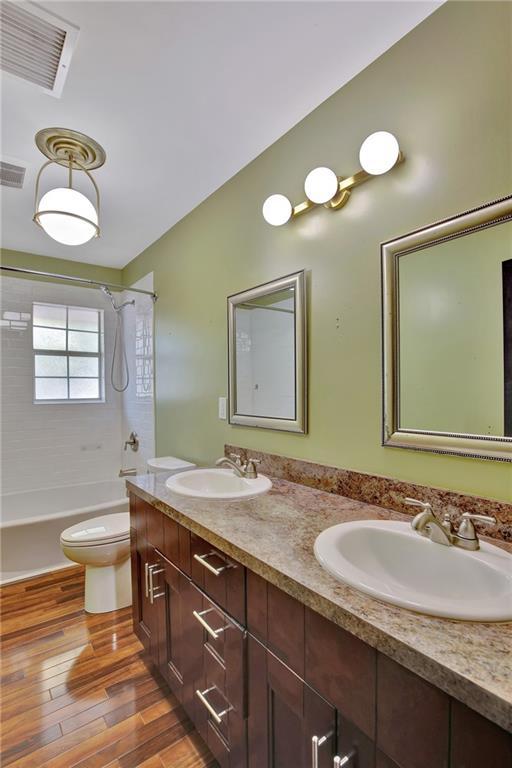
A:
99, 355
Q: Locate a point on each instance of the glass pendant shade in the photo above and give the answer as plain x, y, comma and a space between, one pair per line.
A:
277, 210
321, 185
379, 152
57, 214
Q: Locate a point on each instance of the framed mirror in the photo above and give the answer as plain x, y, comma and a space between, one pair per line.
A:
447, 335
267, 355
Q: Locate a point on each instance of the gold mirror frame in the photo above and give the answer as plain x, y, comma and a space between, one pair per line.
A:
299, 424
478, 446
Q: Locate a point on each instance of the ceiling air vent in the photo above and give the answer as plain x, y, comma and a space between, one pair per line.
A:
11, 175
36, 45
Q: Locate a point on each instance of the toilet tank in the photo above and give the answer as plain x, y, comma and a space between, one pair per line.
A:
165, 466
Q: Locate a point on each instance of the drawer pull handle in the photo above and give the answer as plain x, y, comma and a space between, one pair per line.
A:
317, 742
146, 574
216, 571
152, 573
213, 632
217, 716
346, 760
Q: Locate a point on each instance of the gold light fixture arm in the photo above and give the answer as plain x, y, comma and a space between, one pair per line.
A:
36, 197
72, 161
345, 186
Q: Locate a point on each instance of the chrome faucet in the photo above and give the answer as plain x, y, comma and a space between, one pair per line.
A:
247, 470
127, 472
133, 442
426, 524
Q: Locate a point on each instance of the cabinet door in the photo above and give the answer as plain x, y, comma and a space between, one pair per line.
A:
180, 643
219, 709
289, 724
145, 610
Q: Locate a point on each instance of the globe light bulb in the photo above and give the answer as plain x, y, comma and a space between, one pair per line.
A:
379, 153
321, 185
277, 210
59, 224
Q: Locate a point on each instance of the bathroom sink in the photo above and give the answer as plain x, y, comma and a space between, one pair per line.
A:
389, 561
217, 484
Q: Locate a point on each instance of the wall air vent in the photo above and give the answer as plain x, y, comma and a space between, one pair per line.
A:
11, 175
36, 45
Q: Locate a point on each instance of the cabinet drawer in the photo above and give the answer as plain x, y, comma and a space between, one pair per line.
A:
220, 577
176, 544
219, 707
148, 524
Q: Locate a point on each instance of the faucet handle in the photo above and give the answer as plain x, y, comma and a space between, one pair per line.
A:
489, 519
417, 503
466, 527
236, 458
250, 468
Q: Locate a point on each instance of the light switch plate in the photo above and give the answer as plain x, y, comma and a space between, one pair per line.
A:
222, 408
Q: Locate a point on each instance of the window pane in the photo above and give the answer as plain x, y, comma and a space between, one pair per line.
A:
51, 365
82, 342
83, 366
51, 389
51, 315
83, 319
47, 338
87, 389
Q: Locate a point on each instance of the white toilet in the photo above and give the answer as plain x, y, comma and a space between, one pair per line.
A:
102, 544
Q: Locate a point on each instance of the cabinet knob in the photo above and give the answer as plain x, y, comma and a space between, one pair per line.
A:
209, 567
213, 632
347, 760
152, 572
317, 742
217, 716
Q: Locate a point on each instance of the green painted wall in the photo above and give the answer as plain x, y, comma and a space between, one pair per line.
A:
445, 91
60, 266
451, 334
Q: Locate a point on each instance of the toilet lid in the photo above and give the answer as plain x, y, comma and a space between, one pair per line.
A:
105, 530
169, 463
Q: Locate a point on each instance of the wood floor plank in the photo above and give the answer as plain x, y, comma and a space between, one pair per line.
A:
188, 752
45, 755
76, 688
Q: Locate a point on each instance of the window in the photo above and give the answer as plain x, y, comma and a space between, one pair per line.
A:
68, 353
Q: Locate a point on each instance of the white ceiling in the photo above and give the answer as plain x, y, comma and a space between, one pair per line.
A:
182, 95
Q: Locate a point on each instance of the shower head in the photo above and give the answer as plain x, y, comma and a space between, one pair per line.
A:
108, 293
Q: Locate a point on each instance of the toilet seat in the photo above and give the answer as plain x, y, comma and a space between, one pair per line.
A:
107, 529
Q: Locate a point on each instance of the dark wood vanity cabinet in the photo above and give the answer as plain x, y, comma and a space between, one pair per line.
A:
288, 721
270, 683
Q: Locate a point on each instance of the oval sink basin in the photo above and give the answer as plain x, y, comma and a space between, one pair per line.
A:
217, 484
389, 561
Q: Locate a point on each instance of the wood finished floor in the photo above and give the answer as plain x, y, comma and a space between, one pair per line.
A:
76, 692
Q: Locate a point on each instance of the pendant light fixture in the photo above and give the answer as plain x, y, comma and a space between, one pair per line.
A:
65, 214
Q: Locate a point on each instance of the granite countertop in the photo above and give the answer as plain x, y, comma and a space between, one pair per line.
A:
273, 535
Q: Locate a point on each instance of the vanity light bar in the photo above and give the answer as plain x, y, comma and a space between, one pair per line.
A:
379, 153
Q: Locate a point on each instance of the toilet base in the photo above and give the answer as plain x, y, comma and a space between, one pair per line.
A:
108, 587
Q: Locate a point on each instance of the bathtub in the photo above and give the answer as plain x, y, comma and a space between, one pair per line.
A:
31, 523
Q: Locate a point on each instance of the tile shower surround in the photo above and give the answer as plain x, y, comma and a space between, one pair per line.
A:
46, 445
382, 491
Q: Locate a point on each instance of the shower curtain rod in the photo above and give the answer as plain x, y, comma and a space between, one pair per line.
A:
55, 276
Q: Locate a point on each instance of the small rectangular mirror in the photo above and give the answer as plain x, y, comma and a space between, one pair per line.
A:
267, 355
447, 320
